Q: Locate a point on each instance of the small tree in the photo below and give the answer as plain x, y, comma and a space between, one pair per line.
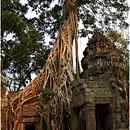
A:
122, 47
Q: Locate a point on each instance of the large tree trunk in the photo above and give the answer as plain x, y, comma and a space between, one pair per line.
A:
57, 74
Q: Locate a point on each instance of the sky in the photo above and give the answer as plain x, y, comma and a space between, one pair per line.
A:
82, 42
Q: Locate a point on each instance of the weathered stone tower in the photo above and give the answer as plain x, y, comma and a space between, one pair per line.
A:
99, 97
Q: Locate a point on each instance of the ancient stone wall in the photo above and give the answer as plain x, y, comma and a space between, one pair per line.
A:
102, 89
101, 56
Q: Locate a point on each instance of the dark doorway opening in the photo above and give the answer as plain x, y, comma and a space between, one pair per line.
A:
65, 123
102, 117
44, 124
30, 127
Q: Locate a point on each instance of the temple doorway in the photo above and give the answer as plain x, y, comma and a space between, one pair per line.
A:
30, 127
102, 117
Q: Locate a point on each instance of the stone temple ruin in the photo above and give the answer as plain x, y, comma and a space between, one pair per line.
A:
95, 101
99, 97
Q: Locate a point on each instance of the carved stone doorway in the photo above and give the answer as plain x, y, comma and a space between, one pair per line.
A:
102, 114
30, 127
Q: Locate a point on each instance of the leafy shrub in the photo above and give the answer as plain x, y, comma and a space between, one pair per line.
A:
46, 93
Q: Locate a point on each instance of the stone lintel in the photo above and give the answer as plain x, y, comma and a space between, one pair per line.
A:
30, 119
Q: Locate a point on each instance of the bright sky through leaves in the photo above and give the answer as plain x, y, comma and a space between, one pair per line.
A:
82, 46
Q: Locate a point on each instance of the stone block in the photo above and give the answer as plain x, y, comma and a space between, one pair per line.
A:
31, 119
75, 83
78, 92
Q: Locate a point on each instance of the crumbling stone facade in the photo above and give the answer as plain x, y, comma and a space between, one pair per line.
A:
100, 93
98, 98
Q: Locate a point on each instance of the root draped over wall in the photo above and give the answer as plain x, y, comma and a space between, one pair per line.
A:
57, 74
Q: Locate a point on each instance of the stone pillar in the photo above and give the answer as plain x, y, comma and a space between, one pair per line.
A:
113, 120
75, 119
90, 117
112, 116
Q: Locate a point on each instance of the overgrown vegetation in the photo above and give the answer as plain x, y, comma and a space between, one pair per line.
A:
25, 52
23, 48
122, 47
46, 93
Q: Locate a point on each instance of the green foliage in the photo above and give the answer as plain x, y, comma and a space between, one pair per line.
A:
25, 51
108, 44
96, 15
122, 47
121, 43
46, 93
